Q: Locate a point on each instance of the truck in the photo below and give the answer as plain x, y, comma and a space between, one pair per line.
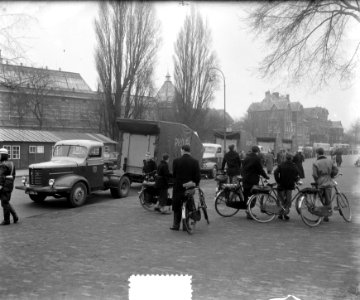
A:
155, 137
76, 169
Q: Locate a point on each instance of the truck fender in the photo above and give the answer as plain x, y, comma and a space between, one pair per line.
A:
70, 180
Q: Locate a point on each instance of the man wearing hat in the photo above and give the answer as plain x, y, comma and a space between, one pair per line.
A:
149, 164
7, 176
251, 170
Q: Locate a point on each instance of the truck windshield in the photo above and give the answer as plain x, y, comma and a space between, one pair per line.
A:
70, 151
210, 150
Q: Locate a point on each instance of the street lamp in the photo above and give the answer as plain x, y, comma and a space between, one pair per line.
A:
223, 77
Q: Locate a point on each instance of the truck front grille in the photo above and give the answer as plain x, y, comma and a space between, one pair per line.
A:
35, 177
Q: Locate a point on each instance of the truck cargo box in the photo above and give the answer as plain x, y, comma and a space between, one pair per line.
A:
156, 137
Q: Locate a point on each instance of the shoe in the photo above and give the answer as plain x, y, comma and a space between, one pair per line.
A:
281, 217
286, 218
5, 223
165, 212
174, 228
157, 209
326, 219
248, 216
16, 219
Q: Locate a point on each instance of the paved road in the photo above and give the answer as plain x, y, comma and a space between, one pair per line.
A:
90, 252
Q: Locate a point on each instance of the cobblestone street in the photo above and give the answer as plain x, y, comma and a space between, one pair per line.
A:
90, 252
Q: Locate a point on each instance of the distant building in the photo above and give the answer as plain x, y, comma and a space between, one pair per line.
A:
277, 119
290, 125
36, 98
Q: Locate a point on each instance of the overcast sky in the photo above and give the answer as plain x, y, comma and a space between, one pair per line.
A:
61, 35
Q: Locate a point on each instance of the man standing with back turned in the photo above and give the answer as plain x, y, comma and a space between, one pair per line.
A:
323, 172
185, 169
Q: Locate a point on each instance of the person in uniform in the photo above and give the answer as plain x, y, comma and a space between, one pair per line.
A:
7, 177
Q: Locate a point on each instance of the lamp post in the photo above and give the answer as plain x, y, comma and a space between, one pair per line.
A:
223, 77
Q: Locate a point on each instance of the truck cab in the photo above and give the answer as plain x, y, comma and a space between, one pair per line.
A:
211, 160
75, 170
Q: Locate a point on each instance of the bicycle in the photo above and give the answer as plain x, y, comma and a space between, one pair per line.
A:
149, 194
229, 198
264, 204
191, 211
313, 210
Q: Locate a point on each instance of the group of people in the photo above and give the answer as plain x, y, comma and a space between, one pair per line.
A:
289, 170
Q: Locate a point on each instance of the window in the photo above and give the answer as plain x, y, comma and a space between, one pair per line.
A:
36, 149
14, 151
95, 152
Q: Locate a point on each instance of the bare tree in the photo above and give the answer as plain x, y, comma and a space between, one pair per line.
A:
127, 42
308, 39
12, 33
193, 60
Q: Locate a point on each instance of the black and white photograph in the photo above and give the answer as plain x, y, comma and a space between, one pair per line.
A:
183, 150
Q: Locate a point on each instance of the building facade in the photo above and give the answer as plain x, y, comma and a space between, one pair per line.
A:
278, 119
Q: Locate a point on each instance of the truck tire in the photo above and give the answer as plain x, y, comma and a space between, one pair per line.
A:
37, 198
77, 195
123, 188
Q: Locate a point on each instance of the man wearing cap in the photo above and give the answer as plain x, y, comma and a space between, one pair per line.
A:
251, 170
7, 176
185, 169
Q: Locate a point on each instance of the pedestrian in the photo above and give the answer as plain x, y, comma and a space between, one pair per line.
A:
7, 177
251, 170
269, 161
298, 160
185, 169
233, 163
338, 157
149, 164
323, 172
286, 175
162, 183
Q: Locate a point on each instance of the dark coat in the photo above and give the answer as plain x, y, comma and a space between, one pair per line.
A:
252, 169
232, 159
298, 160
163, 175
286, 175
149, 166
7, 175
185, 169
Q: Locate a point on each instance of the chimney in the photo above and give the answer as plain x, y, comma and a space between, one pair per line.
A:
288, 97
276, 95
267, 95
59, 69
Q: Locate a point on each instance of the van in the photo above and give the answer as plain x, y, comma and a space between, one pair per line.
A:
211, 160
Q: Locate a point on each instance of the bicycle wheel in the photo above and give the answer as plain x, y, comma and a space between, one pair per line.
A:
261, 207
203, 206
297, 202
344, 206
189, 224
146, 204
307, 204
221, 206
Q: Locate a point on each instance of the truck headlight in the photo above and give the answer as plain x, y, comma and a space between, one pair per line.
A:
51, 182
24, 180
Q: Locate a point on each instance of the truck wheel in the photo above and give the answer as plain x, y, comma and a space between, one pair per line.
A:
123, 188
37, 198
78, 195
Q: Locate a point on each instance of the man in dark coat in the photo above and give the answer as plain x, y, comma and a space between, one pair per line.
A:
286, 175
251, 170
298, 160
162, 183
185, 169
7, 177
232, 160
149, 164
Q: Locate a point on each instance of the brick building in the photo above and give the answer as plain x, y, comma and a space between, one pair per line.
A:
277, 118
